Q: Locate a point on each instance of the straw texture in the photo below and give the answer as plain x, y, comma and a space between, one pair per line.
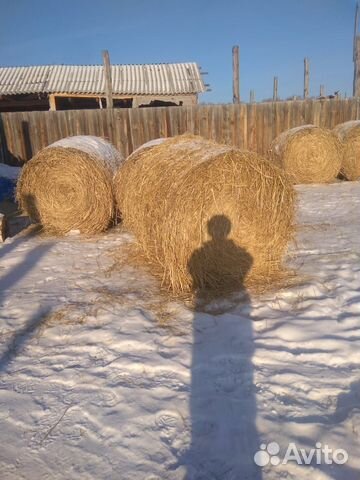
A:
349, 134
206, 216
309, 154
68, 185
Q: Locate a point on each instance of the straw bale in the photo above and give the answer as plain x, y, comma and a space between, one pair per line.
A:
349, 134
68, 185
207, 217
309, 154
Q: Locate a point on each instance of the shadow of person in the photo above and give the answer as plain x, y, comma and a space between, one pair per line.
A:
219, 267
224, 437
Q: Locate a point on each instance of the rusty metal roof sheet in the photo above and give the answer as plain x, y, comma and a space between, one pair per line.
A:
154, 79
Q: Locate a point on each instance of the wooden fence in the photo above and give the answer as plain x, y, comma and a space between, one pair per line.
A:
250, 126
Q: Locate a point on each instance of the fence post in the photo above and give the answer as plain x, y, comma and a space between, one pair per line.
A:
357, 68
275, 90
107, 74
236, 74
306, 78
355, 52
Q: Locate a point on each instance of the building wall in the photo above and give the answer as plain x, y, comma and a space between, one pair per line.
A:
148, 100
26, 103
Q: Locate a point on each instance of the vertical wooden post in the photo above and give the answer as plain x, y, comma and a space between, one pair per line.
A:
52, 102
275, 89
357, 68
322, 90
236, 74
356, 26
252, 96
306, 78
107, 74
355, 50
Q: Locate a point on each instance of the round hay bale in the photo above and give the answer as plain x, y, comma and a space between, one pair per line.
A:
149, 144
349, 134
309, 154
68, 185
209, 217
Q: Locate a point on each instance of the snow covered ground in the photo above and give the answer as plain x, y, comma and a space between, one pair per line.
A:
102, 377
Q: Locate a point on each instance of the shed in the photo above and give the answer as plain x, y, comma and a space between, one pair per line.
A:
66, 87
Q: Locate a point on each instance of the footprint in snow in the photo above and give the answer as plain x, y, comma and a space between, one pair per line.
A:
169, 424
99, 399
226, 384
105, 399
167, 420
166, 352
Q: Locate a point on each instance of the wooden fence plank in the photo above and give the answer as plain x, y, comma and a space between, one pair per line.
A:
250, 126
243, 127
251, 130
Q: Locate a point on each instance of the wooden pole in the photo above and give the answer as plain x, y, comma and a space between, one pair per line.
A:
355, 50
236, 74
357, 69
52, 102
252, 96
275, 89
306, 77
356, 26
322, 90
107, 74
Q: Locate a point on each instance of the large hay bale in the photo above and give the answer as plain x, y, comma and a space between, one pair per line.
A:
68, 185
309, 154
207, 216
349, 134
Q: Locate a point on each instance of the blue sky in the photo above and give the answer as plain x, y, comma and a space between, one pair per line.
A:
274, 37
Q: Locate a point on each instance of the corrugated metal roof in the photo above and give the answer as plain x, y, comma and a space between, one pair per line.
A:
155, 79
